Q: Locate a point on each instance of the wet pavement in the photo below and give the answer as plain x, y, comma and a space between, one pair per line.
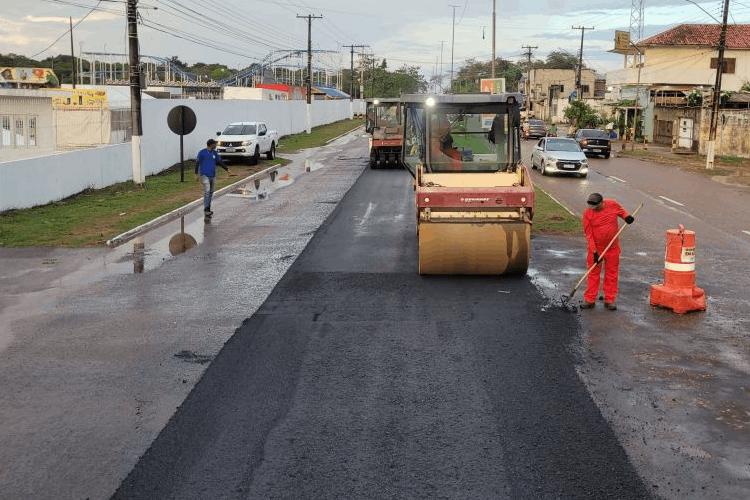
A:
676, 388
358, 378
98, 346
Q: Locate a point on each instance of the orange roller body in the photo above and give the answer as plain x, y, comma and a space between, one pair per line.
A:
679, 291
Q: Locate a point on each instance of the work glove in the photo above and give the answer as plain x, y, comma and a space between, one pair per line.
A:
629, 219
596, 257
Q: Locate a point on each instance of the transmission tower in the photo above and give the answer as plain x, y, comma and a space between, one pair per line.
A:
636, 24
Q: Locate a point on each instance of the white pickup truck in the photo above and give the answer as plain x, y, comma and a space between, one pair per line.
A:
247, 140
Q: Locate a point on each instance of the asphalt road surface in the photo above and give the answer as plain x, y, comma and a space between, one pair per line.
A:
673, 386
357, 378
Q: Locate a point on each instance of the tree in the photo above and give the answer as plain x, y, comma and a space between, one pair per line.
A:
380, 82
581, 115
468, 76
560, 59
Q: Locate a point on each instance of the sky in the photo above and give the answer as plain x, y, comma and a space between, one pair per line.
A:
239, 32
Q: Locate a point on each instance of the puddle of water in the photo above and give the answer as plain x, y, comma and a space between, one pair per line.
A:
559, 253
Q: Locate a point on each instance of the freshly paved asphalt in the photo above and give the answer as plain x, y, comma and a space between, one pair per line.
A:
358, 378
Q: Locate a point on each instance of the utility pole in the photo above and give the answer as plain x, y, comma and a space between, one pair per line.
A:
134, 65
453, 42
309, 18
717, 90
494, 10
72, 54
528, 53
580, 61
442, 43
351, 75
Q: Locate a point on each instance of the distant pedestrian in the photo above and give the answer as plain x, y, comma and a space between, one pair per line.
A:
205, 171
600, 227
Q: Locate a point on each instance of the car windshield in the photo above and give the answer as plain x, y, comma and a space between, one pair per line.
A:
473, 139
562, 145
388, 115
238, 129
594, 134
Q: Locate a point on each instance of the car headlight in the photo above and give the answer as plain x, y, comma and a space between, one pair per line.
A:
247, 143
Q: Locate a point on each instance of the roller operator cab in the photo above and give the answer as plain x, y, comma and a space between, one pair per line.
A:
474, 197
386, 133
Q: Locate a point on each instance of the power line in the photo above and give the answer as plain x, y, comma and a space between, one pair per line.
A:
67, 31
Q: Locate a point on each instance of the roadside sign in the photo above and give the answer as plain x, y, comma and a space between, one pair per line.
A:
622, 41
492, 85
181, 120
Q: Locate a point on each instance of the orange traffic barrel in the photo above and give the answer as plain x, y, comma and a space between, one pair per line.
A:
679, 292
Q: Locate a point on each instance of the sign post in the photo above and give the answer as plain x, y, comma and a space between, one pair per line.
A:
181, 121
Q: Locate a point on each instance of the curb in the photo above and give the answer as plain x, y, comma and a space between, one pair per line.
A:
179, 212
342, 135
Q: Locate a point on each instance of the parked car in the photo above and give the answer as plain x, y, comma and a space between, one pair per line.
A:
247, 140
594, 141
534, 129
557, 155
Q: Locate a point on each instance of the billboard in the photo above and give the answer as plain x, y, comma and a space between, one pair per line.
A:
14, 77
622, 41
492, 85
88, 99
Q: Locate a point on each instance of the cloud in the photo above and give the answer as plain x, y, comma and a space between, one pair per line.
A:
95, 16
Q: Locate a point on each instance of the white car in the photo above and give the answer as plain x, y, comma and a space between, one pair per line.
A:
555, 155
247, 140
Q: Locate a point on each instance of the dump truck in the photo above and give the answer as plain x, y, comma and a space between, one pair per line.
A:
474, 198
386, 133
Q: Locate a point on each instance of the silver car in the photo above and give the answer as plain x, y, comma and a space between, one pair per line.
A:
553, 155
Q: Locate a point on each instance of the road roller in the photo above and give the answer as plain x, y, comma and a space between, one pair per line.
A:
474, 197
386, 133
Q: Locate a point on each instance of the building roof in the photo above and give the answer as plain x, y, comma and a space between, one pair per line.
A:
331, 92
705, 35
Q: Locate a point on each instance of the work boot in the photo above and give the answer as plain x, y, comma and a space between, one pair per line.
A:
208, 212
611, 306
587, 305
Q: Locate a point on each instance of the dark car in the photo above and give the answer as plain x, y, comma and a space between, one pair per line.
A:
535, 129
594, 141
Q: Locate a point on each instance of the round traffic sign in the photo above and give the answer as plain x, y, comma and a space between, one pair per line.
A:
181, 120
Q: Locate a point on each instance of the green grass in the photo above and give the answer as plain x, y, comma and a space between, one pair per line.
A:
318, 136
92, 217
551, 218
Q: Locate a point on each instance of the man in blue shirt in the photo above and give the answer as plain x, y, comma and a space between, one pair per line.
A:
205, 168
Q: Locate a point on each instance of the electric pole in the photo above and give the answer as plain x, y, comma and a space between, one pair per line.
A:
442, 43
580, 61
494, 5
72, 54
351, 67
453, 41
528, 53
309, 18
717, 90
134, 65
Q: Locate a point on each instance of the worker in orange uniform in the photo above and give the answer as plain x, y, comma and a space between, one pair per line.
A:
600, 226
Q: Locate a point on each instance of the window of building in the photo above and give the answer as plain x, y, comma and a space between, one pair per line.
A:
6, 138
32, 131
584, 89
729, 64
20, 136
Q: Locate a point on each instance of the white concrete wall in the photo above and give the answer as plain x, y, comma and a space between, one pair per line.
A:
42, 179
36, 181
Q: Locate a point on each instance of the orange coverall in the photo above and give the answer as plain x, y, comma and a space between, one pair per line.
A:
600, 226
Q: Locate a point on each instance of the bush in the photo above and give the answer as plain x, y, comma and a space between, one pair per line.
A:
581, 115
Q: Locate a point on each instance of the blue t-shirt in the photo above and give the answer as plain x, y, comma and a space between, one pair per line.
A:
207, 161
